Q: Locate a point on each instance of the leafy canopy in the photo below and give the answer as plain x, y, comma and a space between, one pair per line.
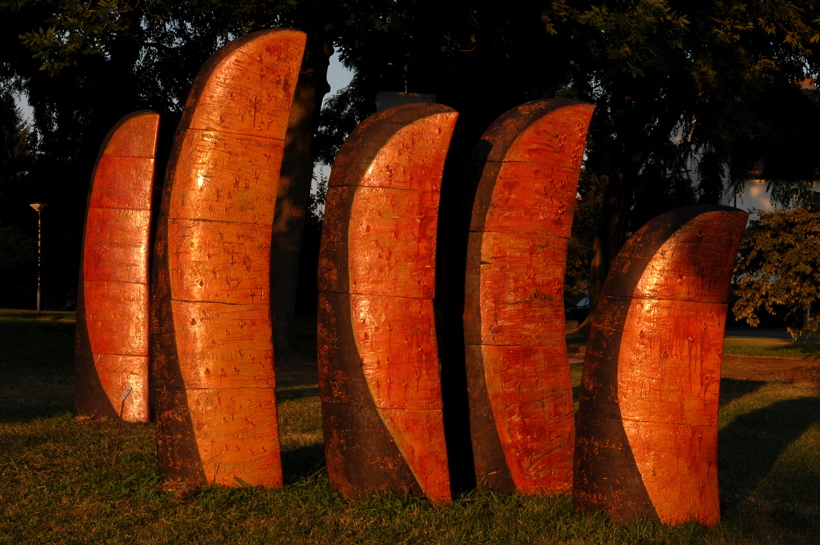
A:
778, 270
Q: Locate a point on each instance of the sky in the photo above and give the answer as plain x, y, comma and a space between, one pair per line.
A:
337, 75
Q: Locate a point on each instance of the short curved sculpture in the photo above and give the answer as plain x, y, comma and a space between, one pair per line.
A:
111, 353
378, 361
211, 324
520, 396
647, 424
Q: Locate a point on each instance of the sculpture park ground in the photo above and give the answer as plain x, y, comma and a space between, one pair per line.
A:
59, 483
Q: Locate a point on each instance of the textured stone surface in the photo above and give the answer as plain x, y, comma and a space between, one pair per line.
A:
525, 171
211, 326
647, 423
378, 359
112, 304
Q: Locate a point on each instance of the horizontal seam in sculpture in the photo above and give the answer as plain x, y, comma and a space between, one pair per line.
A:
147, 354
698, 301
229, 387
682, 424
633, 298
433, 410
529, 301
119, 208
206, 220
219, 302
248, 134
117, 281
557, 345
407, 189
519, 232
557, 165
380, 407
380, 295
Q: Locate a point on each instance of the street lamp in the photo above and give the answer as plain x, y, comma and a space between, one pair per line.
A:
38, 207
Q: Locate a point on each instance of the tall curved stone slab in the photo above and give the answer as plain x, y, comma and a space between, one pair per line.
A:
526, 168
211, 325
378, 359
111, 352
648, 417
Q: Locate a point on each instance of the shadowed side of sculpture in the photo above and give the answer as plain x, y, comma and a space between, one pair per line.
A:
526, 171
212, 352
378, 360
111, 351
647, 424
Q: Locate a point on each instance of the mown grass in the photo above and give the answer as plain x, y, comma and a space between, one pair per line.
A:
771, 347
57, 483
768, 346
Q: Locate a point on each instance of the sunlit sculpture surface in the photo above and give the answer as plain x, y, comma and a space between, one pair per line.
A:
112, 303
521, 413
378, 359
647, 425
211, 324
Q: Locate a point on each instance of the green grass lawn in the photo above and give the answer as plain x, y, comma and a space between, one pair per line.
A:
771, 347
742, 345
57, 483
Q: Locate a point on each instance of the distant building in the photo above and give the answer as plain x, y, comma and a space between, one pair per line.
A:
756, 195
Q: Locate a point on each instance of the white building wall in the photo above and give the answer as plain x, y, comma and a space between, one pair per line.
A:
755, 197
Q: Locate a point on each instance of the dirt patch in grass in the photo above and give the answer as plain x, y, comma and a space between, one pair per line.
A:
749, 368
791, 370
744, 367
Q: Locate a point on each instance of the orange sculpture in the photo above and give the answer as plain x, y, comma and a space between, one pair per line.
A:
111, 354
211, 325
647, 424
378, 360
520, 396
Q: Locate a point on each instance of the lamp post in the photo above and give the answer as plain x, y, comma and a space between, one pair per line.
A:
38, 207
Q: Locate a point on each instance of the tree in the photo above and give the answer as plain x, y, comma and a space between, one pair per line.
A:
778, 270
110, 57
18, 144
17, 247
719, 76
584, 229
77, 93
17, 155
18, 267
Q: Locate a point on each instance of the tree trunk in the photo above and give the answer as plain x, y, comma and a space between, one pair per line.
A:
640, 131
612, 228
294, 192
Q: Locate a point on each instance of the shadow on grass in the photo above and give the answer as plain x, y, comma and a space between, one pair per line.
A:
749, 447
302, 462
27, 397
806, 349
297, 392
731, 389
305, 337
32, 315
36, 368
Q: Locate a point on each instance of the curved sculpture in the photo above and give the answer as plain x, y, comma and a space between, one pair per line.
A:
378, 360
647, 424
520, 396
211, 325
111, 351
